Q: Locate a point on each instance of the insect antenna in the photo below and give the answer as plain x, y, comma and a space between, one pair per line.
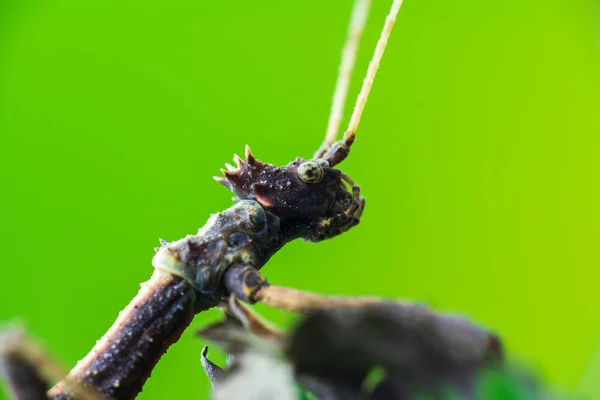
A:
356, 27
339, 150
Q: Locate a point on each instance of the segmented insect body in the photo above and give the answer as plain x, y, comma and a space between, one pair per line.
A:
305, 199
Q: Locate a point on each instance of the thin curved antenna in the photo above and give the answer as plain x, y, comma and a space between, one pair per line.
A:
372, 70
339, 150
360, 10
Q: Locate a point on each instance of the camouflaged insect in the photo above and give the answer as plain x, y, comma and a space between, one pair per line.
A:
305, 199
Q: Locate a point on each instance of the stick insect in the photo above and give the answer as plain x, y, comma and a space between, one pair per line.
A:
308, 199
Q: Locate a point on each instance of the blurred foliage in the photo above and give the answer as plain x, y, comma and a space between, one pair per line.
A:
477, 154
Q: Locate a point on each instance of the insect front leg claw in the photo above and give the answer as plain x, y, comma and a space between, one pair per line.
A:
212, 370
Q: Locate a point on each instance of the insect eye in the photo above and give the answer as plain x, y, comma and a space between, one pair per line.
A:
310, 172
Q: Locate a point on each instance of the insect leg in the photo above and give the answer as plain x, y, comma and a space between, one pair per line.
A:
212, 370
355, 187
251, 321
243, 281
248, 281
299, 301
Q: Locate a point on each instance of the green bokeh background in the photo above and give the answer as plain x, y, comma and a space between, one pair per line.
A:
478, 154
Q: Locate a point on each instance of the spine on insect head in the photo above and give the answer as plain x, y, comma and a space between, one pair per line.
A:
308, 197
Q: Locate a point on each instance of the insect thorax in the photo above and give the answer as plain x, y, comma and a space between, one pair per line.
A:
243, 234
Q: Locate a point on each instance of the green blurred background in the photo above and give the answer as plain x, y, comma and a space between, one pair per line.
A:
478, 154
